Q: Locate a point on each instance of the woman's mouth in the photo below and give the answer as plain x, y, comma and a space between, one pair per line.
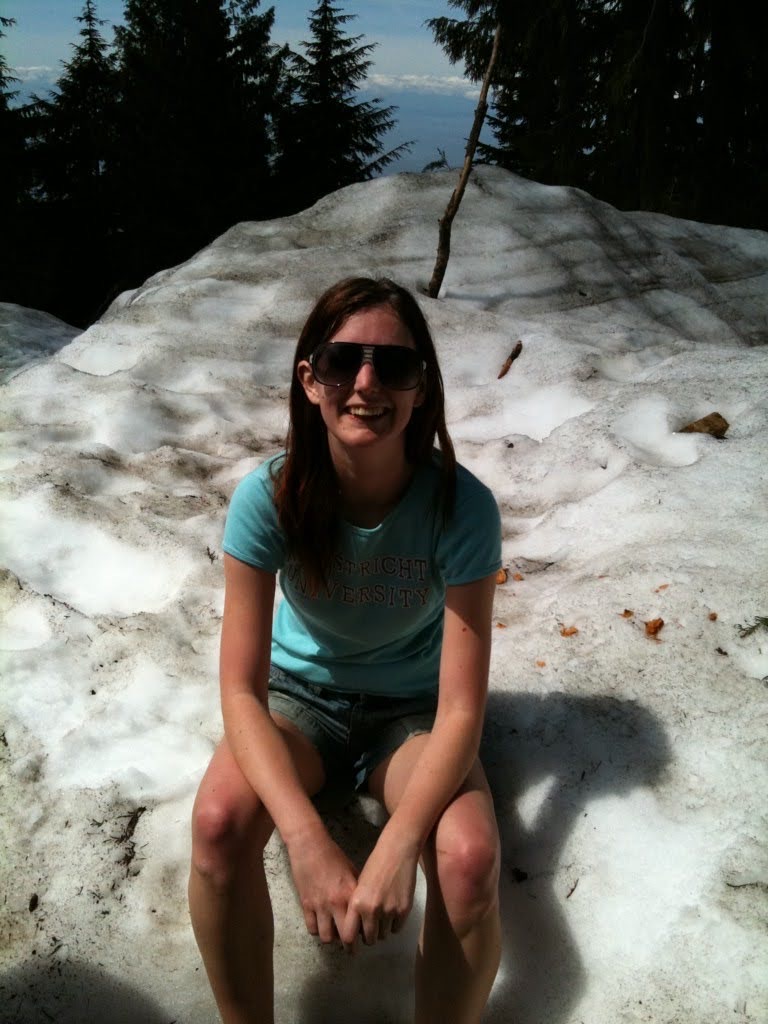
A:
366, 412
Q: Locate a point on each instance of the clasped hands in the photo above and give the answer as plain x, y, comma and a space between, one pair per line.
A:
339, 905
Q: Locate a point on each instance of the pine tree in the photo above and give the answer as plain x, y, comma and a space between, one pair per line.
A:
727, 170
14, 180
12, 165
175, 128
328, 138
543, 103
653, 104
78, 123
259, 95
646, 120
71, 145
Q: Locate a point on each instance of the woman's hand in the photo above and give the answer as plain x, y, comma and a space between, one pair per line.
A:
325, 880
383, 897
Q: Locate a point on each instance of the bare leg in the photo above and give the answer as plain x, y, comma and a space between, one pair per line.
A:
228, 896
460, 945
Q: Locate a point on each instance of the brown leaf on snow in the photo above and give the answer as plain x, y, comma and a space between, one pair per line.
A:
654, 627
501, 625
713, 616
663, 586
541, 664
510, 359
627, 613
501, 577
517, 576
569, 631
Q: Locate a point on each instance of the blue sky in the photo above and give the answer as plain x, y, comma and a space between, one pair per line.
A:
435, 103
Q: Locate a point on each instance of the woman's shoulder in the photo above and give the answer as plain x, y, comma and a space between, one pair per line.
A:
469, 543
261, 479
468, 486
467, 481
251, 531
254, 495
475, 503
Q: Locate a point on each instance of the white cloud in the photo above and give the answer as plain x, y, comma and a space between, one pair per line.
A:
446, 85
28, 74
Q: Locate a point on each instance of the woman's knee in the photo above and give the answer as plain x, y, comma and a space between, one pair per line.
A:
223, 833
468, 865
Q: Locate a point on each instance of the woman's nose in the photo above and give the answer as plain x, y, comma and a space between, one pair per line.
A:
366, 378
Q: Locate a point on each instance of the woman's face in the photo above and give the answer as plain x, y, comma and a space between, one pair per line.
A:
364, 413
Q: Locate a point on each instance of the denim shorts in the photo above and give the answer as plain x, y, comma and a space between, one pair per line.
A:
352, 732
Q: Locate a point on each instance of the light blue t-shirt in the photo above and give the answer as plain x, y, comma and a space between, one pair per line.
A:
377, 626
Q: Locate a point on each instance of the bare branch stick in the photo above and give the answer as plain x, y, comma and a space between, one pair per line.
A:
444, 234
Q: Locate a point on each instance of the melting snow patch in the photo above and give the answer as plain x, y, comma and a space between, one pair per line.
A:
645, 429
79, 563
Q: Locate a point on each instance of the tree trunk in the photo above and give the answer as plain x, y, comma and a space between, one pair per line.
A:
444, 234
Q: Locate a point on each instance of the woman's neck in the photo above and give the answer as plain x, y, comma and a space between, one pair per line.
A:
370, 487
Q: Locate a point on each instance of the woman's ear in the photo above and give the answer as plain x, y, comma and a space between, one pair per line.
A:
308, 382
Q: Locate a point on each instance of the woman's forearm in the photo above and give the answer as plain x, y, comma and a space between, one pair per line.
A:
453, 744
444, 764
256, 743
324, 877
266, 762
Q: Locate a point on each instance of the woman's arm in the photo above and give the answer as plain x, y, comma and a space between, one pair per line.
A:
253, 738
324, 876
443, 766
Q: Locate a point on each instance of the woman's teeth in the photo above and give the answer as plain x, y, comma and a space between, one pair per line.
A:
366, 411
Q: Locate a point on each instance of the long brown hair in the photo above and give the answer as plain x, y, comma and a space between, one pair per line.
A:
306, 488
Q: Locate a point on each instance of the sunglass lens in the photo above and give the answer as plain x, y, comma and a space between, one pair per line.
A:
397, 367
337, 364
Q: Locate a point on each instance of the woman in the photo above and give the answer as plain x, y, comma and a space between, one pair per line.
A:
377, 662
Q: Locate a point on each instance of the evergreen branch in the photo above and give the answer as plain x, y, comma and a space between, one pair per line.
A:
760, 622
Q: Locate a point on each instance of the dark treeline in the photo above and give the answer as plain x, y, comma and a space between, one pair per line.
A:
648, 104
192, 119
150, 146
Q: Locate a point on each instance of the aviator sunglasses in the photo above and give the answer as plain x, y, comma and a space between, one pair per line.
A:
335, 363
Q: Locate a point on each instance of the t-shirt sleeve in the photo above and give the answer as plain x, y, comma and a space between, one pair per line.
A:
469, 547
252, 532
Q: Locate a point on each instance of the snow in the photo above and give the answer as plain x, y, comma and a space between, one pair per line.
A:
28, 335
628, 771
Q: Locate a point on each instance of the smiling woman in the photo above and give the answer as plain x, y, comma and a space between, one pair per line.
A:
375, 666
307, 486
364, 407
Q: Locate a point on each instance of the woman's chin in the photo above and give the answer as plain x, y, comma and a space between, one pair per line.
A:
367, 426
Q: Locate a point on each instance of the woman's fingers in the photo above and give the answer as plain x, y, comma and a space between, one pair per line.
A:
310, 919
370, 931
349, 930
368, 927
360, 924
326, 928
372, 925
